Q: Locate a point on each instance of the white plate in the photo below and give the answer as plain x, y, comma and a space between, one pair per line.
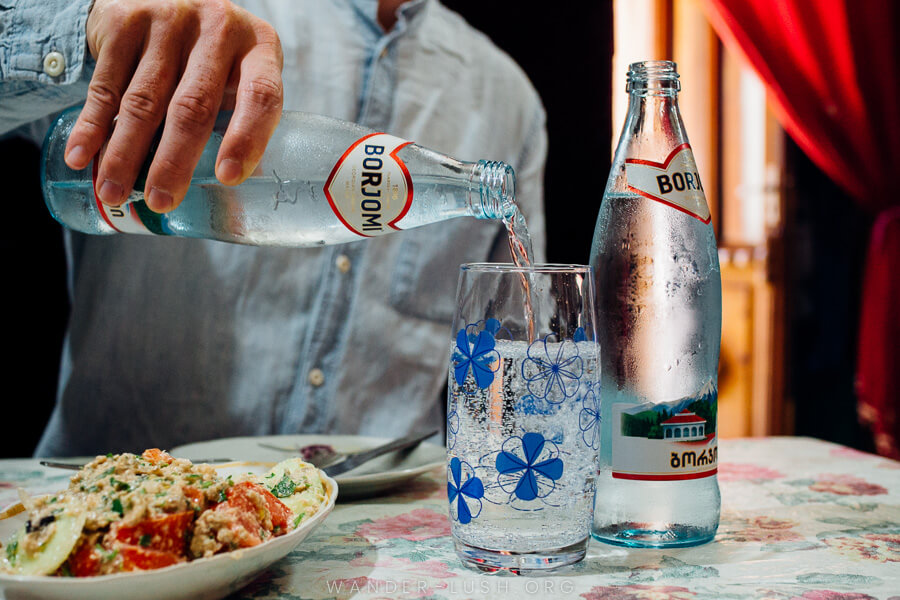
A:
374, 477
202, 579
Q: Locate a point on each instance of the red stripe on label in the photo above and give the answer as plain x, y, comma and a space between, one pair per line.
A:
409, 185
100, 205
669, 204
334, 171
652, 163
666, 477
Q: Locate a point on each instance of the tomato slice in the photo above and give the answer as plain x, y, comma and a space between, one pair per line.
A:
156, 456
166, 533
85, 560
138, 558
241, 495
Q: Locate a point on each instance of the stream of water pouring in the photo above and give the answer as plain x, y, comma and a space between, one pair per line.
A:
520, 248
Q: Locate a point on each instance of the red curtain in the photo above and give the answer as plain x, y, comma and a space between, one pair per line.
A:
832, 70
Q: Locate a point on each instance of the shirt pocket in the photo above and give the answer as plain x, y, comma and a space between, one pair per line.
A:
426, 272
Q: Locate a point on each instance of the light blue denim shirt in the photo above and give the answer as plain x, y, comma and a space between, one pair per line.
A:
175, 340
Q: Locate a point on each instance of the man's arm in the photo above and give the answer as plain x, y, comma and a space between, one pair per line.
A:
178, 61
44, 66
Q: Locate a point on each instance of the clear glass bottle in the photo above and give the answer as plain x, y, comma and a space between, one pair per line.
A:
659, 296
321, 181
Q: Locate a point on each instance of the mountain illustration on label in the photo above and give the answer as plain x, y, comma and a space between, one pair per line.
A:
674, 420
674, 182
666, 441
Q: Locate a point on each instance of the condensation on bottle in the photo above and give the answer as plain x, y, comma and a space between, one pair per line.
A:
321, 181
659, 297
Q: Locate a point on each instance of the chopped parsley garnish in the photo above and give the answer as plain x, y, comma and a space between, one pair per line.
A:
145, 540
299, 518
222, 496
120, 486
206, 484
11, 552
106, 555
284, 488
117, 507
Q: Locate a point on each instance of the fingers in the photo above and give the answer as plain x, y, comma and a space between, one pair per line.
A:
141, 111
189, 122
258, 103
115, 66
166, 60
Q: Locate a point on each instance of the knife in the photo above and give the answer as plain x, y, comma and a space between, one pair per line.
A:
354, 461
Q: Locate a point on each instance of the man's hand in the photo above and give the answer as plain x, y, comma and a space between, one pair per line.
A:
182, 60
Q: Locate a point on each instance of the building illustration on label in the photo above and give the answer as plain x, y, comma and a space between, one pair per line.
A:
674, 182
685, 425
370, 189
666, 441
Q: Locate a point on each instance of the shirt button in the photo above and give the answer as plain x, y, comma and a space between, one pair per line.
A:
54, 64
342, 262
316, 377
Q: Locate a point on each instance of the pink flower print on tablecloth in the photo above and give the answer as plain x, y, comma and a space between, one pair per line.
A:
829, 595
746, 472
880, 547
415, 526
765, 530
846, 485
638, 592
845, 452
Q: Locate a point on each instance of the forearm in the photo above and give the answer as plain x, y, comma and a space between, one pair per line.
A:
44, 65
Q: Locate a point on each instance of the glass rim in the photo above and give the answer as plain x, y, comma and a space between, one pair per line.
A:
491, 267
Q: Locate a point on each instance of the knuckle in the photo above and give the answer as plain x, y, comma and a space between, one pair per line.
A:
142, 105
175, 168
104, 94
193, 109
265, 93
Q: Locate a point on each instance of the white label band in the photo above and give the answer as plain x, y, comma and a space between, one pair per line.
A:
675, 182
124, 218
370, 189
669, 441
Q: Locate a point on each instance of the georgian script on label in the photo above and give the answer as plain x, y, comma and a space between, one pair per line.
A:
370, 189
674, 182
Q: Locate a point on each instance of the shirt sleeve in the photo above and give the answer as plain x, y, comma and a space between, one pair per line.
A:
44, 63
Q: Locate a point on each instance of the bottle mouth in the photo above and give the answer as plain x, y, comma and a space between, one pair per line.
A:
498, 189
653, 77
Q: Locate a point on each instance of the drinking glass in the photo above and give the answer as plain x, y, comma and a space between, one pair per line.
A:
523, 416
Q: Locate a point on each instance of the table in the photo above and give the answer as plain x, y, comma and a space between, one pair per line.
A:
802, 519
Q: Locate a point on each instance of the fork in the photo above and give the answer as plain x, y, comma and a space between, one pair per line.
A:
324, 456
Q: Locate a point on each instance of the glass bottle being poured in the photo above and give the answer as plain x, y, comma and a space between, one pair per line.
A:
321, 181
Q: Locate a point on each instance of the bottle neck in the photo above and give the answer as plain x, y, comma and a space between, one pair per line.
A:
653, 78
492, 190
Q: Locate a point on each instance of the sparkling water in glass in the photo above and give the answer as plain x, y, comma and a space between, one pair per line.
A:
523, 416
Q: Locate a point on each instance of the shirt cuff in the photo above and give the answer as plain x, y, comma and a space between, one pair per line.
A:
44, 41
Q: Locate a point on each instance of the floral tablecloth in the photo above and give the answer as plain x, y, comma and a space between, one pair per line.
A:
801, 519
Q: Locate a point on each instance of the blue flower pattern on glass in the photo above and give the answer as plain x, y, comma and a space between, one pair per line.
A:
475, 353
452, 428
464, 491
589, 418
529, 466
553, 375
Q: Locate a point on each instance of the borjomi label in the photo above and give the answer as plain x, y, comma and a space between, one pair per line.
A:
370, 189
674, 182
666, 441
133, 216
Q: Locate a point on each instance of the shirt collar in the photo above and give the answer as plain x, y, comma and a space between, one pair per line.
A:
409, 14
